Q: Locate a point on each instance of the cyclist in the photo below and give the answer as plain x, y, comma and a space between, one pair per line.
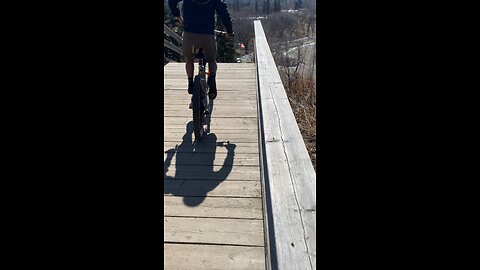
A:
199, 24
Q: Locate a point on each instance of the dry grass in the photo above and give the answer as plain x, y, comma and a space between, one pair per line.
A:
302, 94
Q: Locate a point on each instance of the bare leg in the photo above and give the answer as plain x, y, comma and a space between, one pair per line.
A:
189, 67
212, 67
188, 44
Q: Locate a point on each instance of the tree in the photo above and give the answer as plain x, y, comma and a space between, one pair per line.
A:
236, 5
266, 6
244, 31
298, 4
225, 49
277, 6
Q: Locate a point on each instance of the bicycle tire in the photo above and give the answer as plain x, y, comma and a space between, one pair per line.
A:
197, 108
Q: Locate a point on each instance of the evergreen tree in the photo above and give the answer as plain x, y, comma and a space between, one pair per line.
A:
266, 6
225, 48
298, 4
236, 5
277, 6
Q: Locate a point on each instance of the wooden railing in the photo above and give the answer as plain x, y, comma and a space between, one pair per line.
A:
170, 45
287, 171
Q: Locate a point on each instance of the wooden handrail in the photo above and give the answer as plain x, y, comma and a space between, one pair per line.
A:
170, 45
287, 171
170, 32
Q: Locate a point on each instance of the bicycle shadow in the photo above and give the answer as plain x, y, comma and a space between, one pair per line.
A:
194, 175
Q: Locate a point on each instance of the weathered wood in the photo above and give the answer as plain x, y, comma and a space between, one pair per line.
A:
170, 45
215, 207
223, 107
170, 32
289, 171
172, 143
184, 102
212, 257
248, 232
206, 159
217, 136
222, 95
216, 122
233, 112
212, 189
237, 173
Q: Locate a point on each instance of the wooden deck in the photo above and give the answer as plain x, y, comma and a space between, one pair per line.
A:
213, 209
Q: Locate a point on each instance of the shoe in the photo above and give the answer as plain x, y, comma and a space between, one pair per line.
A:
190, 87
212, 93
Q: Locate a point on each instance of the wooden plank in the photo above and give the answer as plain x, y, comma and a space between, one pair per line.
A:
221, 107
213, 231
232, 112
211, 188
250, 136
181, 66
171, 33
240, 94
208, 159
222, 131
218, 207
222, 85
224, 80
186, 100
213, 212
170, 45
242, 148
216, 122
237, 173
210, 257
289, 172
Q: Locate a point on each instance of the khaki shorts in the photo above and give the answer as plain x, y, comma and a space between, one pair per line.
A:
193, 41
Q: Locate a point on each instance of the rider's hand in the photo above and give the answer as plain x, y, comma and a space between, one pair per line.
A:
179, 19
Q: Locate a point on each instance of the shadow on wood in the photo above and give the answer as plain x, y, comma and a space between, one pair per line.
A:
202, 154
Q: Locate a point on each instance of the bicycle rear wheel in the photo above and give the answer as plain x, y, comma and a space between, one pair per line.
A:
198, 110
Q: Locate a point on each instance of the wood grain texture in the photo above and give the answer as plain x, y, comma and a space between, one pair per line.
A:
290, 173
247, 232
236, 173
213, 208
210, 257
210, 147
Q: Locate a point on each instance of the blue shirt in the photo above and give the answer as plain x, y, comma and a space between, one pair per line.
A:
199, 15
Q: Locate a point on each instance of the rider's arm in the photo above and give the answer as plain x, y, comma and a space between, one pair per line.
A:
173, 5
222, 10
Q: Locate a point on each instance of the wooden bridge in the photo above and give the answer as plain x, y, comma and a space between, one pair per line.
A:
244, 198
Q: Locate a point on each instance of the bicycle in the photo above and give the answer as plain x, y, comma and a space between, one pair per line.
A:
201, 105
200, 98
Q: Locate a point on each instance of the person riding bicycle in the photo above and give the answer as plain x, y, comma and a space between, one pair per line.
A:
199, 31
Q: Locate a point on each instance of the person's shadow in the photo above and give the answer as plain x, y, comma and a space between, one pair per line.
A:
195, 174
